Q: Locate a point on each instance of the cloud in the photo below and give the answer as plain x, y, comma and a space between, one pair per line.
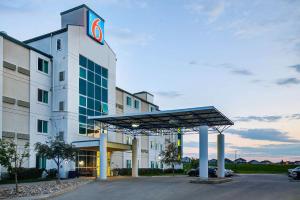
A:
271, 150
263, 134
169, 94
294, 116
288, 81
243, 72
193, 144
193, 62
127, 37
296, 67
208, 10
268, 118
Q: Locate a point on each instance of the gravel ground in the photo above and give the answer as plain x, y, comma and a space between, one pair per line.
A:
43, 188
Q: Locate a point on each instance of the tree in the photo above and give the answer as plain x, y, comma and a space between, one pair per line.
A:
170, 156
56, 150
12, 157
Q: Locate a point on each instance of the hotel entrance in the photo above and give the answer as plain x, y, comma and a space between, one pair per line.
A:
88, 159
88, 163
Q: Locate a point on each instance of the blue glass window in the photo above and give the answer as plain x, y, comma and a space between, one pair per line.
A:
98, 79
97, 69
91, 65
82, 101
82, 111
82, 61
91, 90
98, 93
104, 72
82, 119
91, 76
104, 108
82, 129
90, 113
82, 72
104, 95
82, 87
98, 106
90, 103
104, 82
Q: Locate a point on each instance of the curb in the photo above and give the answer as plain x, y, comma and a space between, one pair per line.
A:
52, 195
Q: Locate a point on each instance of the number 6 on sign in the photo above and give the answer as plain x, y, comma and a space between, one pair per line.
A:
95, 27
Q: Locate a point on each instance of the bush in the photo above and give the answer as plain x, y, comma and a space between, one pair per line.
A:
52, 173
146, 171
27, 173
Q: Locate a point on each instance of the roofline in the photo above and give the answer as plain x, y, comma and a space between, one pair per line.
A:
79, 7
122, 90
4, 35
46, 35
161, 112
143, 92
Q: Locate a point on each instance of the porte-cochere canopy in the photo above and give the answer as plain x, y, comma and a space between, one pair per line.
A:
188, 118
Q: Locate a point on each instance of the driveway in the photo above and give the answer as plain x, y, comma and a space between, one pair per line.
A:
243, 187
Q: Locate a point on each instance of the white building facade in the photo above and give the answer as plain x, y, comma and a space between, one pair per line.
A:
52, 83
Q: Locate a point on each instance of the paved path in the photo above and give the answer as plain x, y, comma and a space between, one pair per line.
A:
244, 187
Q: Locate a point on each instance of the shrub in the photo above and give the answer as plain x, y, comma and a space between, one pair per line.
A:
27, 173
146, 171
52, 173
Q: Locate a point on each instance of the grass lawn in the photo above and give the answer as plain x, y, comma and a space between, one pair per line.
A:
253, 169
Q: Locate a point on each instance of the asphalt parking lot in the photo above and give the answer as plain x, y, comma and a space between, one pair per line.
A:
243, 187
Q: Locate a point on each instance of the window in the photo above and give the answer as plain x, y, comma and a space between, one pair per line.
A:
43, 65
128, 101
152, 164
136, 104
61, 76
151, 109
40, 162
93, 96
151, 144
156, 146
161, 147
42, 96
128, 163
61, 106
128, 140
161, 165
58, 44
61, 135
42, 126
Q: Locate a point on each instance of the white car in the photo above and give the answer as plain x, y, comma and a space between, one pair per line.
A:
291, 171
227, 172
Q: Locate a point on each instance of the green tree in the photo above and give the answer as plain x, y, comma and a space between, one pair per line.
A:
56, 150
170, 156
13, 156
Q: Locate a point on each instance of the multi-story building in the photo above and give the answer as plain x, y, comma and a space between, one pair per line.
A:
50, 84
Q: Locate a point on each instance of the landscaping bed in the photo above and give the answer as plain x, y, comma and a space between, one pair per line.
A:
41, 189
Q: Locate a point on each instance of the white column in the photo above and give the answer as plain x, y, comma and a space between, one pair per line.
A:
203, 152
221, 161
135, 170
103, 156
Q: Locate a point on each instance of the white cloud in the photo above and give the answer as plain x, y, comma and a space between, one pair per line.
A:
125, 36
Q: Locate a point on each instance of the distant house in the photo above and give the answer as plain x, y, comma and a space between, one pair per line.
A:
212, 162
240, 161
297, 162
186, 160
228, 161
266, 162
254, 162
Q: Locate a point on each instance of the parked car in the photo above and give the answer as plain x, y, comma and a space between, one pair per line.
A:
195, 172
290, 171
227, 172
296, 175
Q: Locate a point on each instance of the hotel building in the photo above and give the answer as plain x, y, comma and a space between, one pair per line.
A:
50, 84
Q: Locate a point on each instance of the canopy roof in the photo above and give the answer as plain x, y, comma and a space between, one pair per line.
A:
168, 119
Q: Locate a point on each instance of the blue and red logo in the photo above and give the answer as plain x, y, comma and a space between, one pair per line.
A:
95, 27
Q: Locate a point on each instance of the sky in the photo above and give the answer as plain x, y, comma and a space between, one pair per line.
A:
243, 57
